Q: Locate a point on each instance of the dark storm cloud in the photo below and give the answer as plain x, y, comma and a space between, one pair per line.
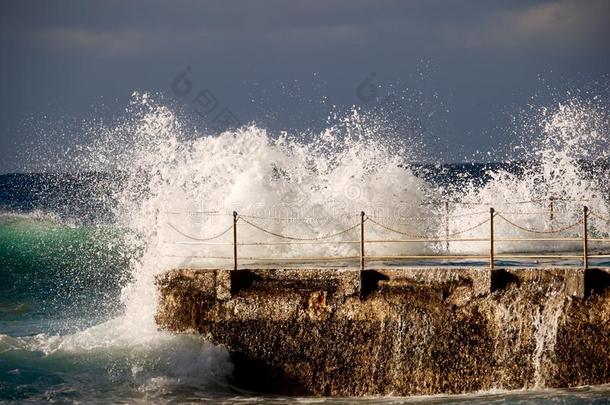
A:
59, 58
120, 28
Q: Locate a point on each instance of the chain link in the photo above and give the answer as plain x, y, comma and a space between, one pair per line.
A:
599, 216
196, 237
523, 228
469, 229
410, 235
327, 236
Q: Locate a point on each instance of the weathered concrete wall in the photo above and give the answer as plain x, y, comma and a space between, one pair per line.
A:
400, 331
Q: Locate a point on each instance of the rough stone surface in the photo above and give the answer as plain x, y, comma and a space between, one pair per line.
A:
397, 331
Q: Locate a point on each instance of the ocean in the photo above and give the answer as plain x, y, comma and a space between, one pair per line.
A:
79, 250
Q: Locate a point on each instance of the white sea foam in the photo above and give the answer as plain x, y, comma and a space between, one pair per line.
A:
176, 184
555, 142
129, 354
193, 183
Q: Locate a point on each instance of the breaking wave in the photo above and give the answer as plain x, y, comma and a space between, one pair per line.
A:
174, 189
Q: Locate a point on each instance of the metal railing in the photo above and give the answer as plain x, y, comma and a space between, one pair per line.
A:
411, 236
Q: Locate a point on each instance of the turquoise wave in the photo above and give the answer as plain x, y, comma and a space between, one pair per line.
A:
57, 277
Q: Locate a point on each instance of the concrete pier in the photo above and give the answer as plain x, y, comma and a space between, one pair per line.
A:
402, 331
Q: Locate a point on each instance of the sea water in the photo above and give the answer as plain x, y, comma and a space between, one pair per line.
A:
80, 248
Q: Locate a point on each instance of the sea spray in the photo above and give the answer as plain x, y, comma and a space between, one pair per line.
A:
564, 156
175, 184
160, 171
171, 179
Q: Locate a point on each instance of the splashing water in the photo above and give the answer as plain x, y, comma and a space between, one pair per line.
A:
174, 183
175, 187
167, 181
565, 152
527, 315
323, 184
546, 324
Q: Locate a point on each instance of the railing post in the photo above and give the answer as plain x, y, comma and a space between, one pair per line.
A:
234, 240
491, 238
551, 211
585, 238
361, 240
447, 225
156, 222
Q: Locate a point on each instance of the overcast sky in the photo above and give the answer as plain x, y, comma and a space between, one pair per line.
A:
465, 67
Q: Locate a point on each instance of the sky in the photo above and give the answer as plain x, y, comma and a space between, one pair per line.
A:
455, 72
